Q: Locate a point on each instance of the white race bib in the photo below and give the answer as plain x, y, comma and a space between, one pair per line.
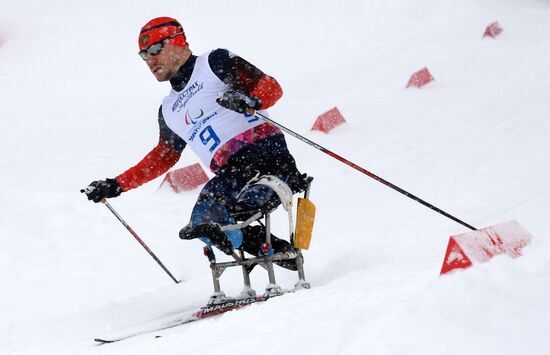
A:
198, 119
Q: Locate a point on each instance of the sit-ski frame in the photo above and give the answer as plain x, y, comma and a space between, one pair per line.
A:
266, 261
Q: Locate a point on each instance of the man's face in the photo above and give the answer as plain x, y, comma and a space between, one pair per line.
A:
165, 64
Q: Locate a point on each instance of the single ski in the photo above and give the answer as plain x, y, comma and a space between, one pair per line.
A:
204, 312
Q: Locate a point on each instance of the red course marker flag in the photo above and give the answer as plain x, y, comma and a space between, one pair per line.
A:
420, 78
481, 245
493, 30
328, 120
186, 178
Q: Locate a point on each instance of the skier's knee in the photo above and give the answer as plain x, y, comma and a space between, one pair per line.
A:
206, 219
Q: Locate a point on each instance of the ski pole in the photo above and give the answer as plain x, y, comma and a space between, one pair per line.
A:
134, 234
364, 171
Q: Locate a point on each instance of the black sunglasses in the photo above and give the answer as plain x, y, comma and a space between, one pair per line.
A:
155, 48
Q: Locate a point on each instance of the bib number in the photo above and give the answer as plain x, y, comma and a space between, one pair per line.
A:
207, 136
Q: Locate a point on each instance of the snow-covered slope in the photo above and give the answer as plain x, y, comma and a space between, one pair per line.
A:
77, 104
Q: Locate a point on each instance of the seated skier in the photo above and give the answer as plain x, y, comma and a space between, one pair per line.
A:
210, 108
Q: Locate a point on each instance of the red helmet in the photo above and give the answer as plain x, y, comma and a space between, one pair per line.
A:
161, 28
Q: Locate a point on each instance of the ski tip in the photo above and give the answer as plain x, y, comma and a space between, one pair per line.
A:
103, 341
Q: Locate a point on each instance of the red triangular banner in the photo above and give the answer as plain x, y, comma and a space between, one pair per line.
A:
328, 120
186, 178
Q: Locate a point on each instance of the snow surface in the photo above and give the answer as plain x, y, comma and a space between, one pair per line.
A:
77, 104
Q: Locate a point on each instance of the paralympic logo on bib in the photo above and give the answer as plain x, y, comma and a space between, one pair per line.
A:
193, 118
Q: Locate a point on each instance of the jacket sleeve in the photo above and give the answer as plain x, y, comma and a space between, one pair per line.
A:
243, 76
157, 161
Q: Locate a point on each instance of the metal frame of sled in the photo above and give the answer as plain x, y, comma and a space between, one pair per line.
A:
266, 262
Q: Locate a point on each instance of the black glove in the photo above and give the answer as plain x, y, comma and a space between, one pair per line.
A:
98, 190
239, 101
